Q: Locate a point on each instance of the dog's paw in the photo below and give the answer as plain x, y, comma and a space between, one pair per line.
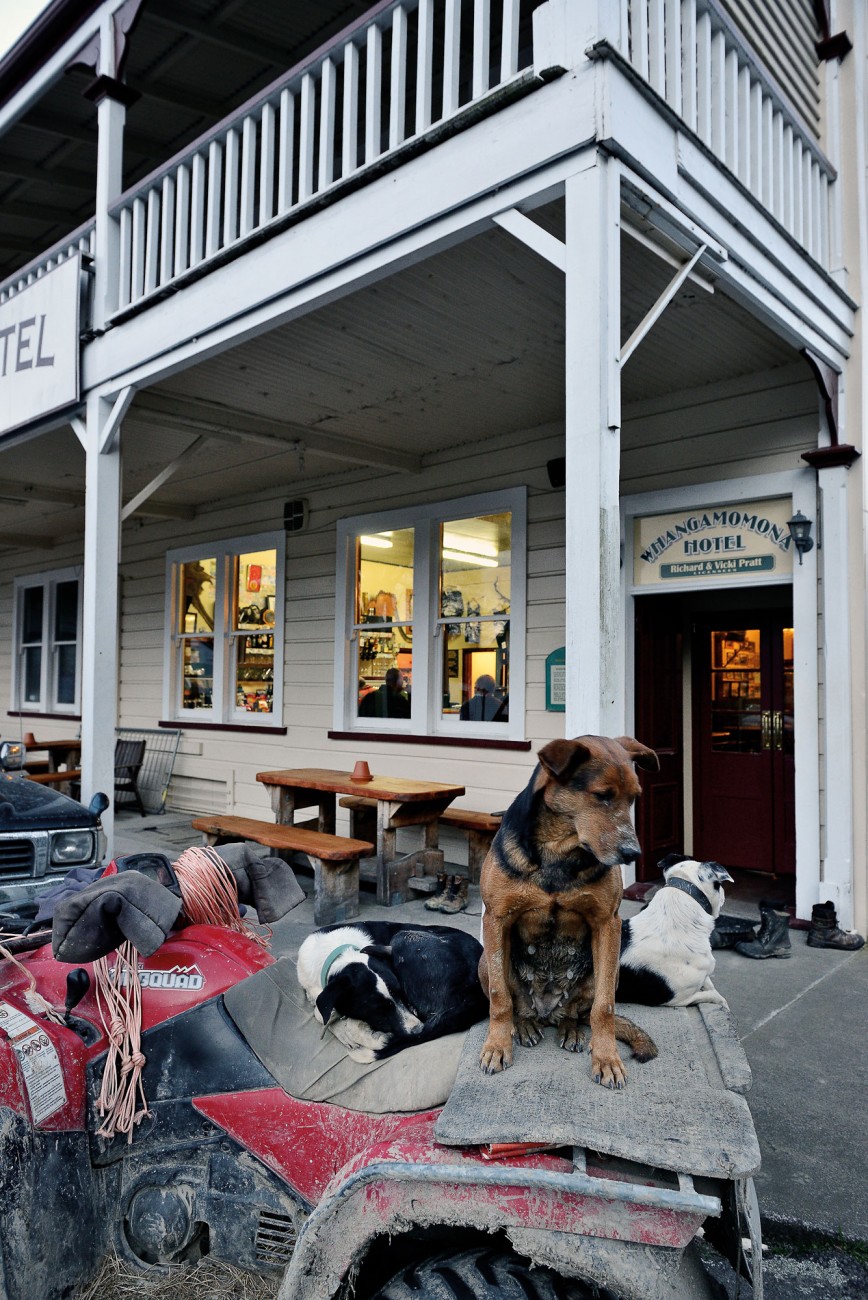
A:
495, 1057
364, 1055
608, 1071
572, 1038
528, 1031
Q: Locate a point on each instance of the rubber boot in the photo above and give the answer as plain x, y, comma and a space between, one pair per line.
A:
773, 939
438, 898
824, 931
456, 895
730, 930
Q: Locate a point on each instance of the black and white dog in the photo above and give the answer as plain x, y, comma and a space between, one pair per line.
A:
380, 986
666, 957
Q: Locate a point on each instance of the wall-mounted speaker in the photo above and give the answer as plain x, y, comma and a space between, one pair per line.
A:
557, 471
295, 515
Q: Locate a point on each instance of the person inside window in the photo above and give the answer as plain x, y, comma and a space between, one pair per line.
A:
391, 700
486, 705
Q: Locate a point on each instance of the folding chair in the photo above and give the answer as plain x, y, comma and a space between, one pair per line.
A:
129, 756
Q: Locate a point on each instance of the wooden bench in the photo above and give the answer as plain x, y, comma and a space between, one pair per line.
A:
54, 778
479, 827
335, 858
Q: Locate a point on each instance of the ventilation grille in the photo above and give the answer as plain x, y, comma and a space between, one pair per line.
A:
197, 794
275, 1239
16, 857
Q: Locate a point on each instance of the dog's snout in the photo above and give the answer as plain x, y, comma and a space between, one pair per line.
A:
629, 851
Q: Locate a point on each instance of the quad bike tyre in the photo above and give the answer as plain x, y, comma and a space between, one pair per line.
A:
483, 1274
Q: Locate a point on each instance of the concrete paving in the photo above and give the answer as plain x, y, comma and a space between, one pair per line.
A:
801, 1021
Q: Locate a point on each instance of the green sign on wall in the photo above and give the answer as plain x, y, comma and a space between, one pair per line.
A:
556, 681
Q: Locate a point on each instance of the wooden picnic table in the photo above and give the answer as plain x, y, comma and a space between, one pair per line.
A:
58, 751
400, 802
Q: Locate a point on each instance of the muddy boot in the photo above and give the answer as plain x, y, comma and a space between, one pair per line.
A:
824, 932
438, 898
456, 895
730, 930
773, 939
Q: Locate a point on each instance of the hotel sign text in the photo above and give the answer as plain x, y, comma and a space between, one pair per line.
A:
719, 542
39, 348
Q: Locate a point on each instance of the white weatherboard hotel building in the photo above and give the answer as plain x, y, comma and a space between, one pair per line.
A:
502, 339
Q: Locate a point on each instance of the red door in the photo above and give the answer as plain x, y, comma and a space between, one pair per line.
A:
743, 768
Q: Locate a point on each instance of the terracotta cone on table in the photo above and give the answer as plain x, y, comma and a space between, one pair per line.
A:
361, 772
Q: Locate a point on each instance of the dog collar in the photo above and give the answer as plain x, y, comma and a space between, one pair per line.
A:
332, 958
687, 888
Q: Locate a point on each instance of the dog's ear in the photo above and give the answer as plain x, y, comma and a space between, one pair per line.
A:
714, 871
325, 1003
671, 860
562, 758
641, 755
378, 950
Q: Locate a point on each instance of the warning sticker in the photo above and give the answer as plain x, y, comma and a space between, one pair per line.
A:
39, 1062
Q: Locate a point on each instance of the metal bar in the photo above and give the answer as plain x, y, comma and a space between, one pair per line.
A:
659, 307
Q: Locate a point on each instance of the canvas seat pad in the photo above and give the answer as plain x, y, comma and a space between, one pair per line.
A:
683, 1111
273, 1013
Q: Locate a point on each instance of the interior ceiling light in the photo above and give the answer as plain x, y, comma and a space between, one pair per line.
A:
469, 545
377, 540
480, 561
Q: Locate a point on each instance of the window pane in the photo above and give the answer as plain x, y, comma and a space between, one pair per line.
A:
198, 669
385, 675
736, 691
476, 672
384, 579
66, 611
255, 590
254, 672
66, 657
475, 563
198, 581
32, 674
31, 615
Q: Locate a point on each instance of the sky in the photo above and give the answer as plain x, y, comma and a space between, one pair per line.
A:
15, 17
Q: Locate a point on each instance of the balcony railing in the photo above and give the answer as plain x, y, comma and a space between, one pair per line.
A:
80, 241
406, 68
695, 59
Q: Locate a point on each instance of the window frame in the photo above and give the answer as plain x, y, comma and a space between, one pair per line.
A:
48, 702
426, 719
223, 711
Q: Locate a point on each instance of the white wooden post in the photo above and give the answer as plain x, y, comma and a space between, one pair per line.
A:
594, 643
837, 874
111, 114
99, 659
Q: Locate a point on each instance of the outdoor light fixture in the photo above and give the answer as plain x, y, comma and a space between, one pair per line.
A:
800, 531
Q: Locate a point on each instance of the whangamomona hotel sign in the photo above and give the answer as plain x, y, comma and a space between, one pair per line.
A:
735, 541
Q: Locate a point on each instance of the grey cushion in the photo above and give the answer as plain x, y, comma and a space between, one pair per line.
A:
273, 1013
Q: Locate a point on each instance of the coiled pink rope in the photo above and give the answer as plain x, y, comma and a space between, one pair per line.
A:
210, 893
119, 999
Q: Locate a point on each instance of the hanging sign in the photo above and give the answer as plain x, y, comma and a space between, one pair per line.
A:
39, 347
556, 681
738, 541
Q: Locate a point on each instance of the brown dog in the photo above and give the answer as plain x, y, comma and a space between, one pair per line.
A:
551, 886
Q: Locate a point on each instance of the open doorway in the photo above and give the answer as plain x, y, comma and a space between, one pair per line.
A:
714, 699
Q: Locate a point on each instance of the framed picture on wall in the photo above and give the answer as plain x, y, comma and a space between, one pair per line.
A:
451, 663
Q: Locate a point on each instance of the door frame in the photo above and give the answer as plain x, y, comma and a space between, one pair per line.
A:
801, 487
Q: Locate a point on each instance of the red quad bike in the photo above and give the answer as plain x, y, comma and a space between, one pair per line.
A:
356, 1185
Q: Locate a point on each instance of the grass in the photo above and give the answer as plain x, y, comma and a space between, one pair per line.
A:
210, 1279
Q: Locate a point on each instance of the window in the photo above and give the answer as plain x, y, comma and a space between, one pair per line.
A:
432, 641
225, 621
47, 638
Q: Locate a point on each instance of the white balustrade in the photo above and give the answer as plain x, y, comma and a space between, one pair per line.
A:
392, 76
690, 53
80, 241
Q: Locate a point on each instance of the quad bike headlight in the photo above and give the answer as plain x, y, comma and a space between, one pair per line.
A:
71, 847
